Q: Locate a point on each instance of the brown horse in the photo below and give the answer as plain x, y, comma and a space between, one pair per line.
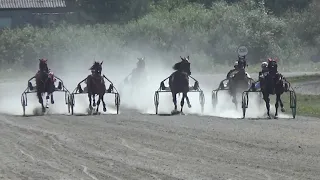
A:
179, 82
273, 84
96, 86
44, 83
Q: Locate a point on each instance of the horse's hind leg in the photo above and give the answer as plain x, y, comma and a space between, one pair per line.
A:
39, 94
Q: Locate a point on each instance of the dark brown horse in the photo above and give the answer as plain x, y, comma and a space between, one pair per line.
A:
273, 84
44, 83
96, 86
179, 82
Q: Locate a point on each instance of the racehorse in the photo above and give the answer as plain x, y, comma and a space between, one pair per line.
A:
96, 86
179, 82
44, 83
239, 81
273, 84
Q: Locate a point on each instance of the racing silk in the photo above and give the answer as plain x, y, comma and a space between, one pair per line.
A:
50, 75
231, 73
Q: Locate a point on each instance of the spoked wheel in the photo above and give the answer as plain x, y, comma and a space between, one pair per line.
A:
156, 101
214, 98
202, 100
245, 101
293, 103
117, 102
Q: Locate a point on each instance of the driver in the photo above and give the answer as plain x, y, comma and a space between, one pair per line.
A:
262, 74
236, 68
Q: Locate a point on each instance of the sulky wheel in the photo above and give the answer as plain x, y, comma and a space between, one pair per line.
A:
245, 102
293, 103
117, 102
24, 103
72, 103
156, 101
202, 100
214, 98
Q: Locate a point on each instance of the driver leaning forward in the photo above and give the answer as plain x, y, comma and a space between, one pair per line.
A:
262, 74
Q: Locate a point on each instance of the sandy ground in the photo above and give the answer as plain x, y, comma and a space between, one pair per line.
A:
140, 146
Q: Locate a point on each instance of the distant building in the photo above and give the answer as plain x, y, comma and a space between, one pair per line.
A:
15, 13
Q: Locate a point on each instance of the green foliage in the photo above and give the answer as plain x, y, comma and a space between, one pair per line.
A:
209, 33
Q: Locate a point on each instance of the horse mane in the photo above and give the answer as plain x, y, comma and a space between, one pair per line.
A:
176, 66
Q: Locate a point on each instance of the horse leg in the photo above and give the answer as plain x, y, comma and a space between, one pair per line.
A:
90, 100
47, 100
94, 100
182, 101
39, 94
98, 103
281, 105
188, 101
277, 105
267, 100
103, 103
52, 100
174, 99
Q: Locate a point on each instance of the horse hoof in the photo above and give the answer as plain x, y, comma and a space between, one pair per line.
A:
174, 112
269, 117
182, 113
104, 109
190, 106
283, 110
94, 104
52, 102
275, 117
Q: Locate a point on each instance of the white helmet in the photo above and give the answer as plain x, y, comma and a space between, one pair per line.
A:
264, 65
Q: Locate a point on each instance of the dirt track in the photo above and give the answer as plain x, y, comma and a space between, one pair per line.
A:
136, 146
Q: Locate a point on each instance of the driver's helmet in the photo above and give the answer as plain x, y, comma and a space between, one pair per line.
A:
236, 64
264, 65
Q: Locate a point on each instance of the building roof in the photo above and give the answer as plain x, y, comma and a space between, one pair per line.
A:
28, 4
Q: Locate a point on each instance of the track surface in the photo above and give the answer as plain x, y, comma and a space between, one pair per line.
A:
136, 146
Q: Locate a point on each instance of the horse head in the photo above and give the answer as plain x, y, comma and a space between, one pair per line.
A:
183, 65
272, 66
43, 66
141, 63
96, 67
242, 63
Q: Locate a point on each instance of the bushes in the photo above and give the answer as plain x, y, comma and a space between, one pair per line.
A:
173, 28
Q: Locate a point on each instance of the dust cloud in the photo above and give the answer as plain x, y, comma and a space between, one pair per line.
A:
139, 97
